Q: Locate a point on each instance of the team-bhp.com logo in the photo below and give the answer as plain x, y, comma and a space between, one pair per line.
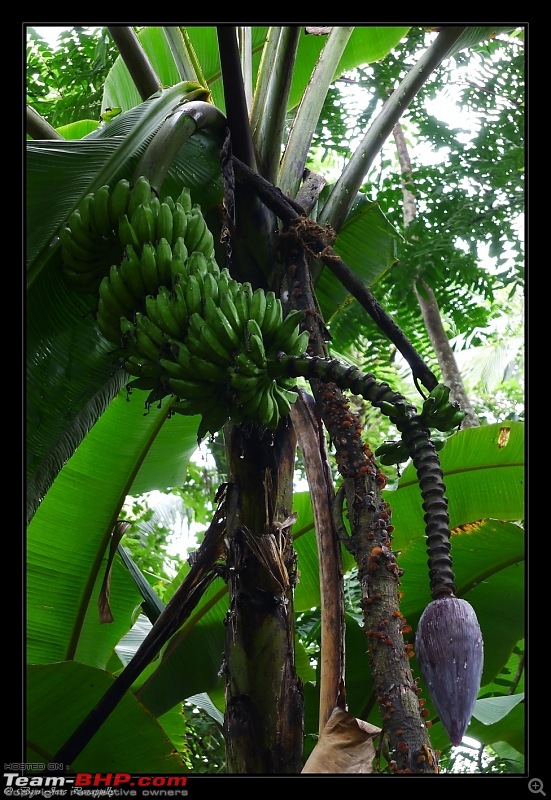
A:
94, 784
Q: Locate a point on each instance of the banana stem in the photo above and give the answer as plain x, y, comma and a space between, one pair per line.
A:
416, 438
346, 376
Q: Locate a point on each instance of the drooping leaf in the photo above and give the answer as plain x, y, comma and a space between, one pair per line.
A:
56, 705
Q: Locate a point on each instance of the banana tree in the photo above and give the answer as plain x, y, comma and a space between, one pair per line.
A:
206, 115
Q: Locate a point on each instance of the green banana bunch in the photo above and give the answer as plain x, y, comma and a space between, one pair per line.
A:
90, 241
391, 453
181, 325
439, 413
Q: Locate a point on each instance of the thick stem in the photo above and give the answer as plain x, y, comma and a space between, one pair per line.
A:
264, 704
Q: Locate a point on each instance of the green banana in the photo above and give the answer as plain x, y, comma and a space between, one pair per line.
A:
197, 263
297, 347
79, 233
257, 308
245, 386
188, 388
252, 328
85, 209
248, 411
209, 288
266, 408
192, 293
223, 281
207, 370
163, 257
205, 244
449, 418
142, 368
284, 399
178, 269
128, 329
166, 305
75, 254
153, 331
118, 201
170, 202
109, 300
147, 337
212, 420
221, 326
153, 312
179, 306
273, 317
244, 365
213, 348
437, 400
395, 411
240, 299
179, 223
255, 348
195, 227
188, 406
287, 332
127, 234
143, 222
391, 453
172, 368
185, 199
183, 358
179, 251
213, 268
140, 193
254, 343
100, 211
275, 416
165, 224
148, 267
155, 207
131, 273
228, 309
195, 323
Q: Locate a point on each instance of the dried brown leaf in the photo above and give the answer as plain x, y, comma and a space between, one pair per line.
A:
345, 746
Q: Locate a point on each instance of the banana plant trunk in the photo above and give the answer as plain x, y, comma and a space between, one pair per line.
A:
264, 700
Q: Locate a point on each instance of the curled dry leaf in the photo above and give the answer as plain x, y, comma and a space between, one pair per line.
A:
345, 746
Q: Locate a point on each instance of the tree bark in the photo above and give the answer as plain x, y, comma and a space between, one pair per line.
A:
451, 375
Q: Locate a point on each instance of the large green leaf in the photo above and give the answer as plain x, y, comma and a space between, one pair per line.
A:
484, 476
130, 740
69, 535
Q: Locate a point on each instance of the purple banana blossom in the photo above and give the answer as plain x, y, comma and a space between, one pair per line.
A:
449, 650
